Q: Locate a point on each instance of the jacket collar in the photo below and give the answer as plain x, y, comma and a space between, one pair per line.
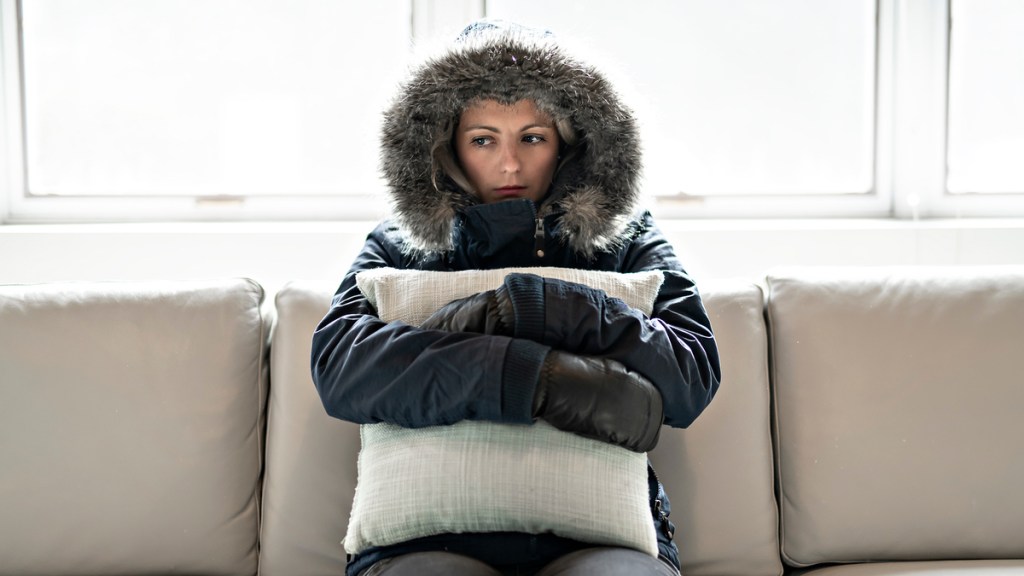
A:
498, 235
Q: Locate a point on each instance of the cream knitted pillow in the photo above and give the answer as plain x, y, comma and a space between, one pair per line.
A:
487, 477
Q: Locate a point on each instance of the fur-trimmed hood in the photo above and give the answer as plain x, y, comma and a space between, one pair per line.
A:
596, 191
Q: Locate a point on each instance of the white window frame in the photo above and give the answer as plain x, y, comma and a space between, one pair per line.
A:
910, 137
17, 206
919, 124
874, 203
912, 44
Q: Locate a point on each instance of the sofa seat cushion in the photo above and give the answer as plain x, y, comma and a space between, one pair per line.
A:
941, 568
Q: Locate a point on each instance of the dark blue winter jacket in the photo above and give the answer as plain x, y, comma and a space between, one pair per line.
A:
368, 371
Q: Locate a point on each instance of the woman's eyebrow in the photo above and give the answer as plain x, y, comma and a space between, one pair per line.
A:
479, 127
537, 125
493, 129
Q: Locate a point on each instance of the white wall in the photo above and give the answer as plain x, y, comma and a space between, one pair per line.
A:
274, 253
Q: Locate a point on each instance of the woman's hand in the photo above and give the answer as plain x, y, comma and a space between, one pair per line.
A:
488, 312
599, 398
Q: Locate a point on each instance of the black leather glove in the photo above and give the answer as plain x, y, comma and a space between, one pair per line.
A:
488, 312
599, 398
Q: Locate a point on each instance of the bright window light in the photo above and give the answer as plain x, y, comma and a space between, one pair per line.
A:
740, 97
207, 97
986, 97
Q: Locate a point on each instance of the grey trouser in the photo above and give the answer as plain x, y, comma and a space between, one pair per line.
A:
589, 562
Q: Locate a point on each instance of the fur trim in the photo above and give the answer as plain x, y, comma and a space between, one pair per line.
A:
597, 189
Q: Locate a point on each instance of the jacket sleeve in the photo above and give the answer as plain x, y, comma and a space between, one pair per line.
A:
367, 370
674, 348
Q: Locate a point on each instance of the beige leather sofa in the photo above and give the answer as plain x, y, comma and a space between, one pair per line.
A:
870, 422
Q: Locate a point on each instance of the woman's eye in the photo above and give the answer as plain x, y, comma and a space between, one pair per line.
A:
480, 141
532, 139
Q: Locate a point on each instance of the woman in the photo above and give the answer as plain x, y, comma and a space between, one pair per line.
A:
508, 152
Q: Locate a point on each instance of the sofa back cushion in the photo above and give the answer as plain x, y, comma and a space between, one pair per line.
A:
718, 473
130, 427
898, 420
311, 458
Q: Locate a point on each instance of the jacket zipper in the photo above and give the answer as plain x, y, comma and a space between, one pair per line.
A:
538, 238
658, 506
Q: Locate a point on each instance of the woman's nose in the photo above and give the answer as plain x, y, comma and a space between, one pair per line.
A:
510, 159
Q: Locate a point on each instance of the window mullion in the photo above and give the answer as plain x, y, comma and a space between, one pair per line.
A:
12, 173
919, 79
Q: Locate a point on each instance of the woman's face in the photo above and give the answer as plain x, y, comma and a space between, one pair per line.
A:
507, 151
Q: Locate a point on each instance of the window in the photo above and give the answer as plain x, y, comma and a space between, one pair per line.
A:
745, 97
986, 92
229, 97
956, 115
257, 109
202, 107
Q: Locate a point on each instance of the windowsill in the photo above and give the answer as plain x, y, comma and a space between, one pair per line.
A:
677, 225
275, 253
795, 224
253, 227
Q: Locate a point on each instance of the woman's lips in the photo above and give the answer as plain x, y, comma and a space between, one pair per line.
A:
510, 190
